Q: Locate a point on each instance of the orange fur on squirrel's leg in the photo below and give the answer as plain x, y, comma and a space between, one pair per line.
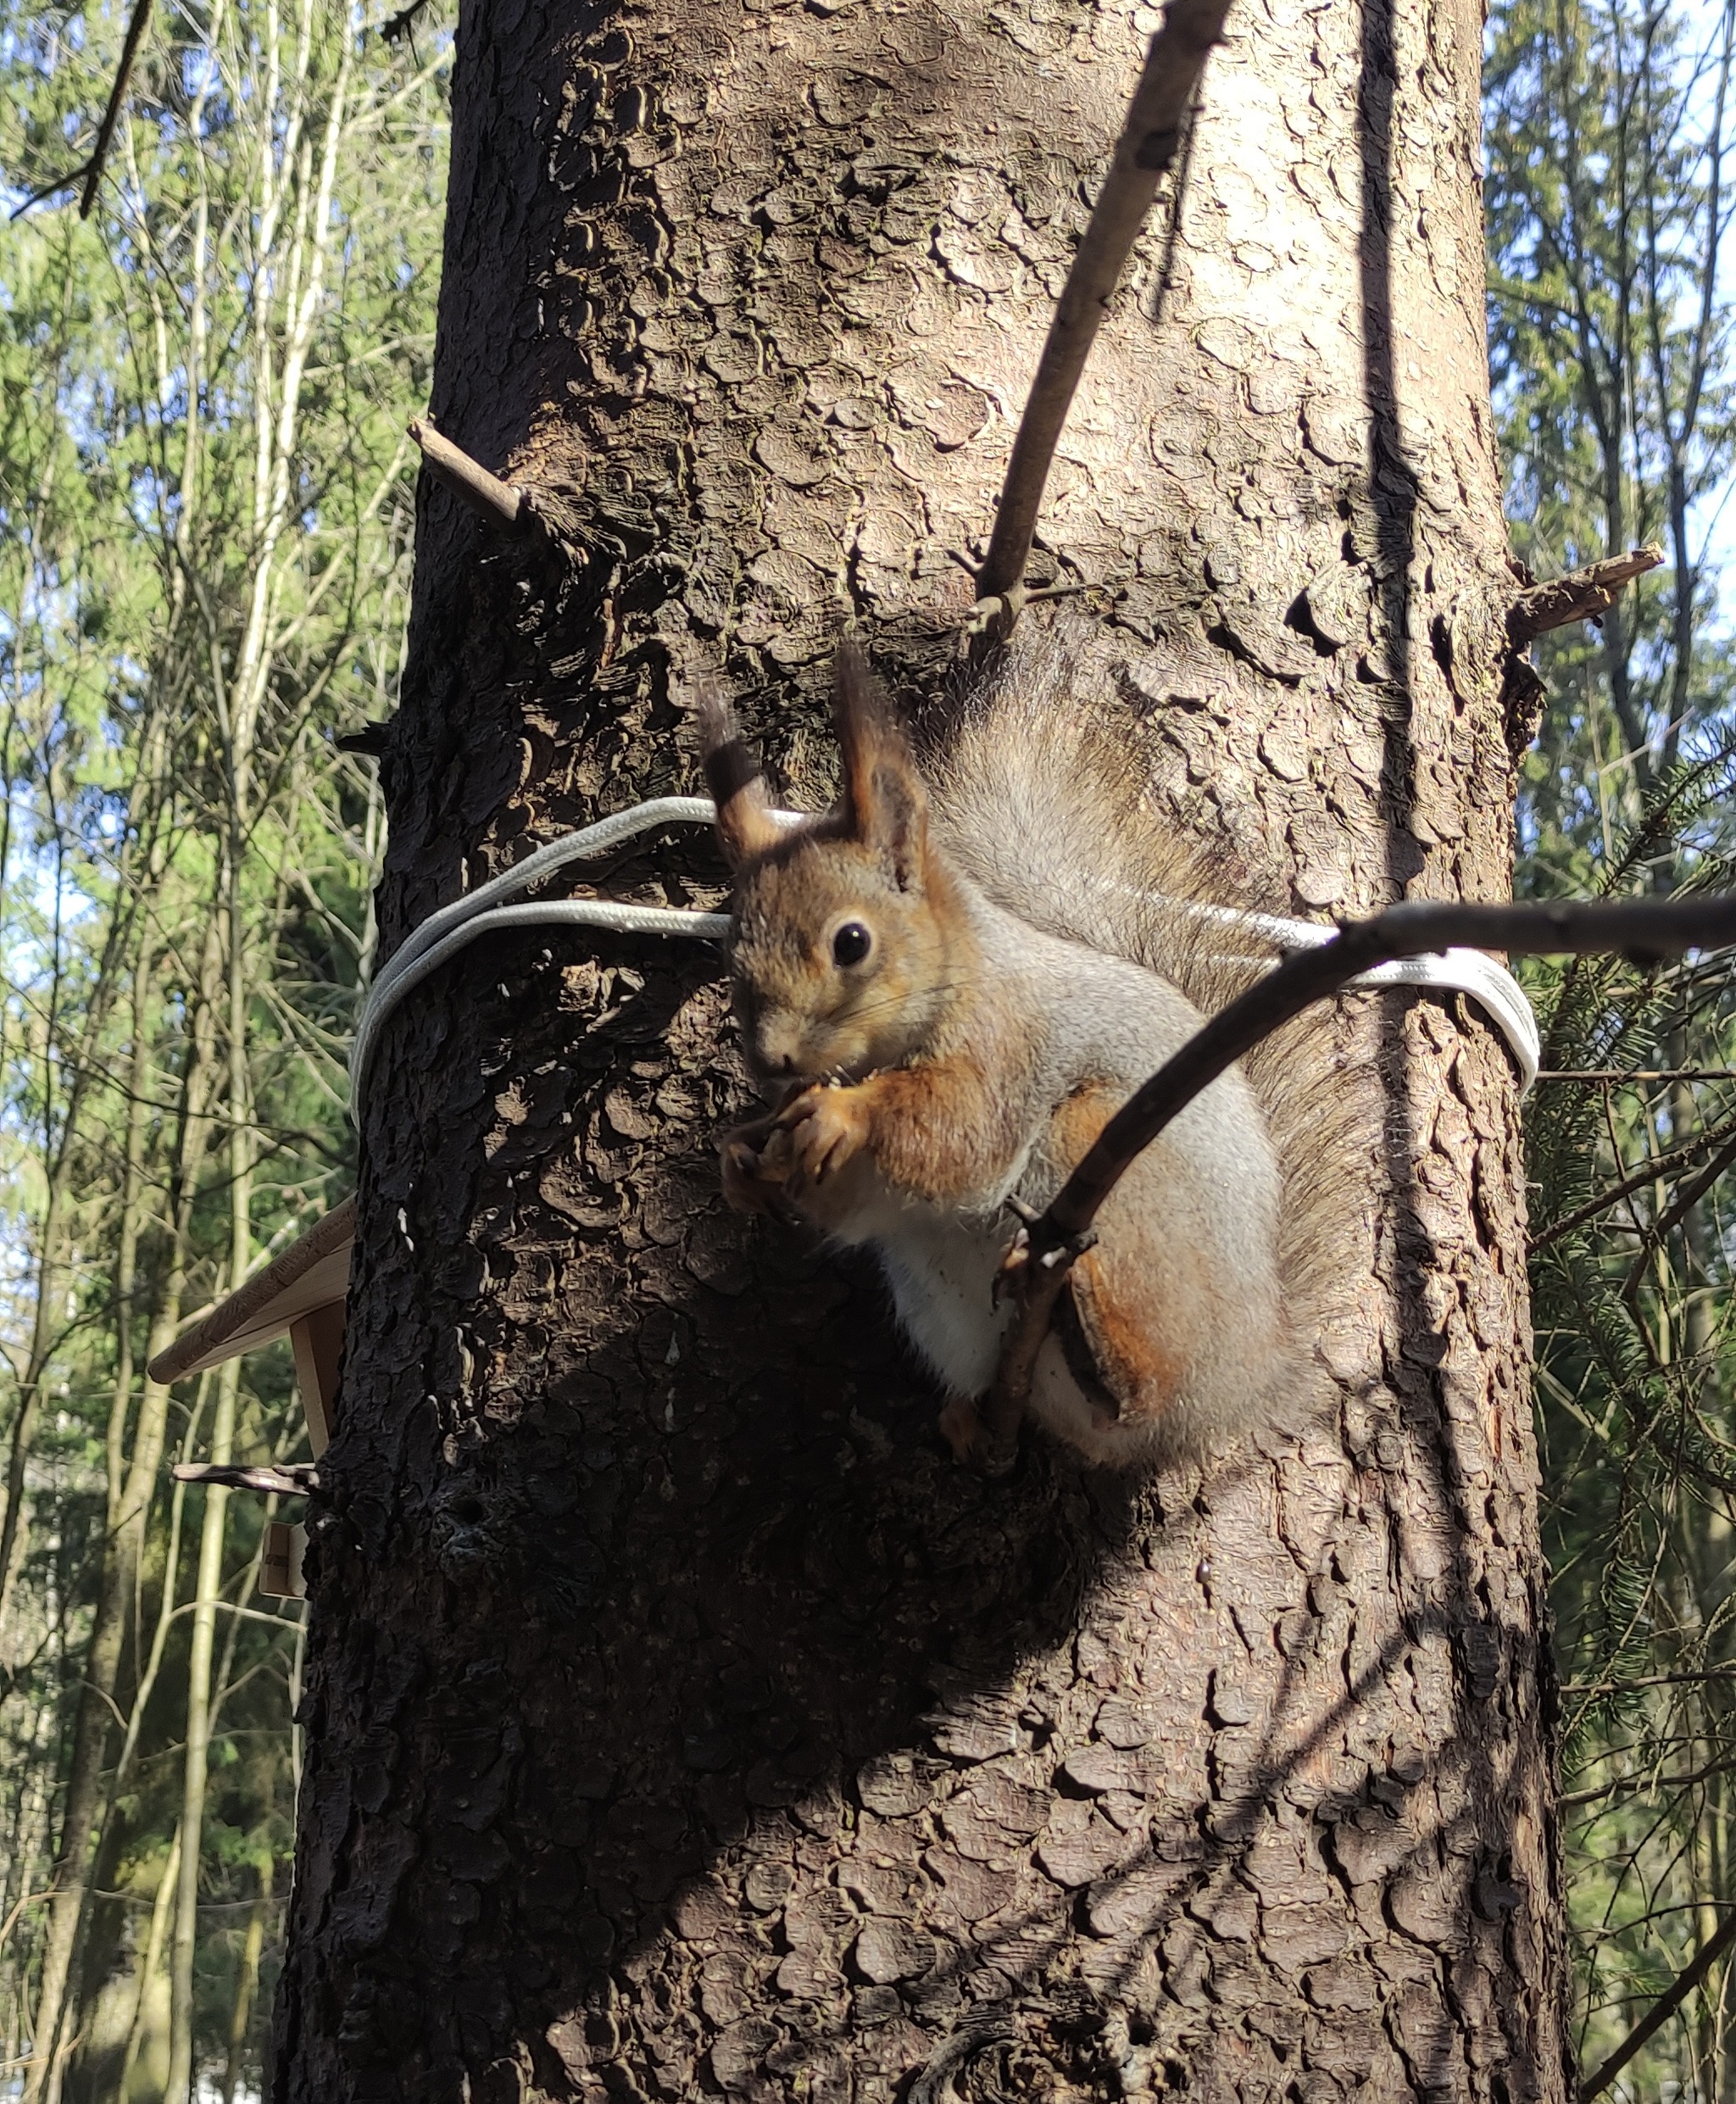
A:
1125, 1301
1132, 1356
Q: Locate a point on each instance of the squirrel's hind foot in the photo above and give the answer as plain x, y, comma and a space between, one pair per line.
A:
962, 1427
976, 1440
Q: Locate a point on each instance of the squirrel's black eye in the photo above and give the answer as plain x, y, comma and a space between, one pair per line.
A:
852, 943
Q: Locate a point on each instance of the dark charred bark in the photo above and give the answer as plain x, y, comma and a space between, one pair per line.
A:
681, 1720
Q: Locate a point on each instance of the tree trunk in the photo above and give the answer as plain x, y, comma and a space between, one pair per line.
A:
680, 1719
127, 1502
152, 1987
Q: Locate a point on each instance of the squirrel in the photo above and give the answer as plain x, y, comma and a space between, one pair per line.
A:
946, 987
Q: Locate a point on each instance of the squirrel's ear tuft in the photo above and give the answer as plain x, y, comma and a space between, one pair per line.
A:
745, 825
885, 805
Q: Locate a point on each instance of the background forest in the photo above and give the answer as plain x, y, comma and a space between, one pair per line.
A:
206, 502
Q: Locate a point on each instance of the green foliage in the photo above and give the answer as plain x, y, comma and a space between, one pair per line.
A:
205, 502
1609, 340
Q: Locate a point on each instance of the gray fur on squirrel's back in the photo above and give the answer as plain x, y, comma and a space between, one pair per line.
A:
1043, 804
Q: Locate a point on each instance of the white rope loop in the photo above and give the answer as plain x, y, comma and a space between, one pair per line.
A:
444, 935
1491, 986
452, 927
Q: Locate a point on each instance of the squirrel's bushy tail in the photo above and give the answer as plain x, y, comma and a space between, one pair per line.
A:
1045, 807
1045, 804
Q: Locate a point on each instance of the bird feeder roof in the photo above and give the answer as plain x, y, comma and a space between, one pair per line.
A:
310, 1274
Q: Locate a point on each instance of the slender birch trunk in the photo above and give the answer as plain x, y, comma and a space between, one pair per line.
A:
208, 1588
162, 1913
247, 1981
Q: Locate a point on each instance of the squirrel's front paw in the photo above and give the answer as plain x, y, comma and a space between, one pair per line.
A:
753, 1173
824, 1128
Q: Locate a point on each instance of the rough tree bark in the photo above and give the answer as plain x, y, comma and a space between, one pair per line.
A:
681, 1720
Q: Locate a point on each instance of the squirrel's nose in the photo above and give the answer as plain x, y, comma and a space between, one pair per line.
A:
777, 1052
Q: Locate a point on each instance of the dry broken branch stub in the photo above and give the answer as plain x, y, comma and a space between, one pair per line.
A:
998, 614
1581, 595
504, 506
1173, 63
1045, 1249
289, 1479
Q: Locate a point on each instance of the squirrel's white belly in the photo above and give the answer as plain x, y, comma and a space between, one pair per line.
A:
941, 1267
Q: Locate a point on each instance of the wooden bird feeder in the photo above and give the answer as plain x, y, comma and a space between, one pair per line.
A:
300, 1293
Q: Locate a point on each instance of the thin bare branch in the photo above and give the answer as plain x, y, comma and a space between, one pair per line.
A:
1174, 61
89, 171
1636, 1073
1682, 1205
68, 181
1661, 2010
1693, 1677
401, 23
498, 502
117, 97
1648, 1172
1623, 1785
1045, 1251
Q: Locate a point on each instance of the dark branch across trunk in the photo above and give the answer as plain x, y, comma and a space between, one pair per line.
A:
681, 1720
